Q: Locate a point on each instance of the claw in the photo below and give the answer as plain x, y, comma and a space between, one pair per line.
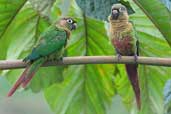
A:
135, 58
119, 57
57, 59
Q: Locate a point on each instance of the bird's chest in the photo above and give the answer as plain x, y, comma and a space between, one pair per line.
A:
123, 44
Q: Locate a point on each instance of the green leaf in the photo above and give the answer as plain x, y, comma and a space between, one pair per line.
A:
13, 42
8, 11
93, 8
161, 18
128, 6
60, 8
46, 77
117, 106
42, 6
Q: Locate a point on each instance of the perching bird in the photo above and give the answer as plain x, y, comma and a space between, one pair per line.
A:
50, 47
123, 38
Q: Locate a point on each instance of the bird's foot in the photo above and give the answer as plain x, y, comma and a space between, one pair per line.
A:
59, 59
119, 57
135, 58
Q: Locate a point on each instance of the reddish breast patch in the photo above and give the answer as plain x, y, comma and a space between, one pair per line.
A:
124, 45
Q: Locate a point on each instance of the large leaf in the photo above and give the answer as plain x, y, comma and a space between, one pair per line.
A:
98, 9
8, 11
60, 8
12, 42
43, 7
161, 18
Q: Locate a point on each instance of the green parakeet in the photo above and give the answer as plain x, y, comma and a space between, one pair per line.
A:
124, 40
50, 47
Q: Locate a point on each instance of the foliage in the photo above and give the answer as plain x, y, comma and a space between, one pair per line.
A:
167, 97
158, 16
89, 89
94, 8
167, 3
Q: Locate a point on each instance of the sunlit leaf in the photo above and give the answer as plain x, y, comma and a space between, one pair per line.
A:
42, 6
98, 9
8, 10
161, 18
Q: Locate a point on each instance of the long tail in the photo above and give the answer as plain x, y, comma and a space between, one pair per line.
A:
133, 77
26, 76
18, 82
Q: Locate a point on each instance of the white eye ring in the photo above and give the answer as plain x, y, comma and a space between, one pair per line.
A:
70, 21
120, 9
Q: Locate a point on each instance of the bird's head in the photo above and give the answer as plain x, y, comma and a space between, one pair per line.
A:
67, 22
118, 12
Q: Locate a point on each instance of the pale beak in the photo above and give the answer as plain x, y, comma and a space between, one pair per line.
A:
74, 26
115, 14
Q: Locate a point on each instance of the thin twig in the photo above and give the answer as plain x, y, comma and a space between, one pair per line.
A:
15, 64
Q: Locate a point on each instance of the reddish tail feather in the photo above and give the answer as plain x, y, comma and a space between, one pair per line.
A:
18, 83
133, 77
25, 83
27, 75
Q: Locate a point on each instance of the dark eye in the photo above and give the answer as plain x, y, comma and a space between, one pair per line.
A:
69, 21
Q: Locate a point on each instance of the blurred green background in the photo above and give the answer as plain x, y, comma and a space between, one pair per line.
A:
22, 102
27, 102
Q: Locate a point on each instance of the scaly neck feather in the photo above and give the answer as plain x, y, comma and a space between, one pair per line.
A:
117, 27
66, 29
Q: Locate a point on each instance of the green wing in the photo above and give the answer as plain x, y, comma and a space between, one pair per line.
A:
51, 41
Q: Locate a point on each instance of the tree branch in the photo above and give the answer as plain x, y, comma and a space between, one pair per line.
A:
15, 64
